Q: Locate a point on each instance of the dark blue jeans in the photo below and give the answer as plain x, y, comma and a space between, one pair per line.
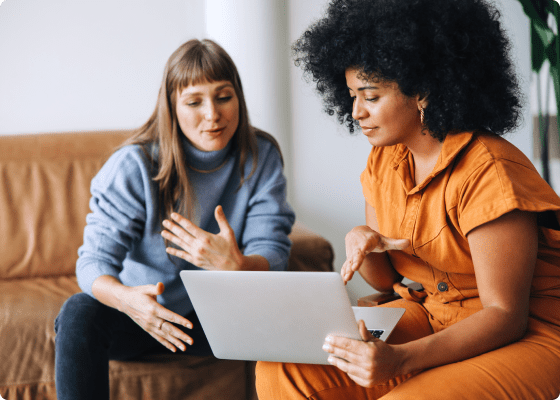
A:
89, 334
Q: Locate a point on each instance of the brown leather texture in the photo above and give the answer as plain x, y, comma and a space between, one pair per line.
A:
44, 197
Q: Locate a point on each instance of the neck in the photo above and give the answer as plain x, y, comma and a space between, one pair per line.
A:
425, 150
424, 147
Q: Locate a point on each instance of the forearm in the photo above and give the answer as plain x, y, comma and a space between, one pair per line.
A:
108, 290
378, 272
482, 332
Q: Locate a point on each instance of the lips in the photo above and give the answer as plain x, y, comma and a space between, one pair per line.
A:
367, 129
215, 131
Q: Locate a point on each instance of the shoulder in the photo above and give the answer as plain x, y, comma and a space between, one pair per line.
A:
492, 177
491, 160
129, 163
268, 149
266, 142
491, 148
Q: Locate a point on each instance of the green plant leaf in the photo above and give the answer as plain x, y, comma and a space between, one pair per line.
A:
551, 52
536, 10
537, 50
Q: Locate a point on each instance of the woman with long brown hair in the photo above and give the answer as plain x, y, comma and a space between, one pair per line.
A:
215, 183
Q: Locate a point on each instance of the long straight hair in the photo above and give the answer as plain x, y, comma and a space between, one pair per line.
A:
193, 62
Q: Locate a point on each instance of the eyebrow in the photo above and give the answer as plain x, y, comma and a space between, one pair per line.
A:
360, 89
221, 87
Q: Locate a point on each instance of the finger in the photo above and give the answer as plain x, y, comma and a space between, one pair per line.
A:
187, 225
359, 380
161, 339
177, 234
169, 316
354, 372
364, 333
180, 253
346, 272
222, 220
175, 335
345, 348
151, 290
386, 243
357, 260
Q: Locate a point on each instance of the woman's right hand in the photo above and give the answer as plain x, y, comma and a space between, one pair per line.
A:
361, 241
140, 304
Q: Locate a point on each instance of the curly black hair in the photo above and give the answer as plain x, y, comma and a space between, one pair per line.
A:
455, 52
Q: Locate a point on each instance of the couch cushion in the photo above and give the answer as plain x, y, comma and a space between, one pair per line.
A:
44, 199
29, 307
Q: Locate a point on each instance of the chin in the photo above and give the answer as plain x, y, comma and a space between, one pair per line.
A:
214, 146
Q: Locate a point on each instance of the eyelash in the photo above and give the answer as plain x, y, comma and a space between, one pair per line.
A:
371, 99
224, 99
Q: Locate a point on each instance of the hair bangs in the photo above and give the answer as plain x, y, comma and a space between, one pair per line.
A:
203, 63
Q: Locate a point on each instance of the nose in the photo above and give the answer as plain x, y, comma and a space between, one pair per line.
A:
358, 110
212, 112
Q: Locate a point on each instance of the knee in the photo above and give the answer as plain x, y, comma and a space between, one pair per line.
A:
77, 315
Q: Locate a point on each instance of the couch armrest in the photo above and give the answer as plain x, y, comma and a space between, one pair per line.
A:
380, 298
310, 251
376, 299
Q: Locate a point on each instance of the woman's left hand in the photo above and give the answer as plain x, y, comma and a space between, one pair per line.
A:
203, 249
367, 363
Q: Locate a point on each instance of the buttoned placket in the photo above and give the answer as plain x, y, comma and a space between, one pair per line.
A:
414, 196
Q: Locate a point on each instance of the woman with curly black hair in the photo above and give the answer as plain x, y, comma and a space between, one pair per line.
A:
449, 204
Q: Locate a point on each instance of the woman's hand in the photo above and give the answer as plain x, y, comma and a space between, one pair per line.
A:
203, 249
140, 304
367, 363
361, 241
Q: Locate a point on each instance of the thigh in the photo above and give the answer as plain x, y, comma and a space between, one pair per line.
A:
115, 332
522, 370
84, 321
324, 382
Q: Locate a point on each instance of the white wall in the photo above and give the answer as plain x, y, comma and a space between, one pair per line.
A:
83, 65
86, 65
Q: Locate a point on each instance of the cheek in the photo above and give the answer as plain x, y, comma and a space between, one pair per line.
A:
186, 119
233, 115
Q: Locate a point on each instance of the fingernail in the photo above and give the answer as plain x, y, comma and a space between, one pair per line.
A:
327, 347
328, 339
330, 359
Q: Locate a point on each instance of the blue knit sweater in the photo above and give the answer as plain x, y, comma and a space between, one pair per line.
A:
122, 237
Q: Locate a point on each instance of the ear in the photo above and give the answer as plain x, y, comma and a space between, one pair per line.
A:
422, 100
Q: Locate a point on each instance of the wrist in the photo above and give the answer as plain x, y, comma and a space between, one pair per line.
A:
254, 262
404, 359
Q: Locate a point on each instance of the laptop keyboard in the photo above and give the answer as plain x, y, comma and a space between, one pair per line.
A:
376, 332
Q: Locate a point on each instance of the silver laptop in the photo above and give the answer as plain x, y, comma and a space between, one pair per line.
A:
278, 316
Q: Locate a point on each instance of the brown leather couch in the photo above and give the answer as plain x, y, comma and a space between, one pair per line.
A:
44, 195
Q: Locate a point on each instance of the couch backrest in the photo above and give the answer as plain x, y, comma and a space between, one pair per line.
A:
44, 198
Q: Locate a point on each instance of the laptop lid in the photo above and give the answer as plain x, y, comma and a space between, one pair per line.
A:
275, 316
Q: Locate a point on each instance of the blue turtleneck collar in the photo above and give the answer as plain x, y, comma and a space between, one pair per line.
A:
204, 160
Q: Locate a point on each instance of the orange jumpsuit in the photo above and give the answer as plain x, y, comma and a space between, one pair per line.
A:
477, 178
